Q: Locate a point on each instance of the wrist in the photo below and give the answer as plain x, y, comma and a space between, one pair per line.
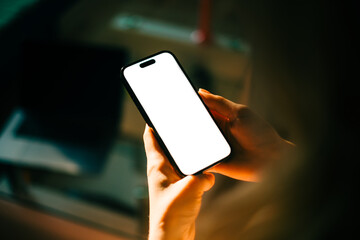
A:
161, 232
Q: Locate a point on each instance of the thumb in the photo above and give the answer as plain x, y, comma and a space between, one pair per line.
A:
197, 184
219, 104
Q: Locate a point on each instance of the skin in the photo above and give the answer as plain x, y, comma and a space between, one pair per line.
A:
255, 144
174, 201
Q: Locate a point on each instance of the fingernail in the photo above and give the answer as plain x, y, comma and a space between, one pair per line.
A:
203, 90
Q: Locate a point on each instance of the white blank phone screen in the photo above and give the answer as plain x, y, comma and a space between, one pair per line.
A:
177, 113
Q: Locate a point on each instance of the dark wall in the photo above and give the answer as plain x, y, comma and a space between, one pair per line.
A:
36, 22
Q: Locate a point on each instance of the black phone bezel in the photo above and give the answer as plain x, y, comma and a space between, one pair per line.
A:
148, 121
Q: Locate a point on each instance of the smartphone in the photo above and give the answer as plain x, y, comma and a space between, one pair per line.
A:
170, 104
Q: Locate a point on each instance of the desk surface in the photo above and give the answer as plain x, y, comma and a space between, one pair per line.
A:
113, 201
20, 222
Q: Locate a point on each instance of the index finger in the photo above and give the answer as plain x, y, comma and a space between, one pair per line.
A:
219, 104
159, 168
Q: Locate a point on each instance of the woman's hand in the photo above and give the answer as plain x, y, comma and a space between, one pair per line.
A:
174, 201
254, 142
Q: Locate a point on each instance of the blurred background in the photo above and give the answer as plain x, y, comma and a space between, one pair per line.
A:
72, 164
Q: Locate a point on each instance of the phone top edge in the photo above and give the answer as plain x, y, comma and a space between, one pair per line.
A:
145, 58
129, 89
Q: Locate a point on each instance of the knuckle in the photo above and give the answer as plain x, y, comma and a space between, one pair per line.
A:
219, 98
158, 167
243, 111
157, 178
151, 169
163, 182
242, 107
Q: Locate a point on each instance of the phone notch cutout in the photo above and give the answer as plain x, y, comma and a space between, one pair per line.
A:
147, 63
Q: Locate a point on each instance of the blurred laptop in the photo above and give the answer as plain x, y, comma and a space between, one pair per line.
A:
69, 108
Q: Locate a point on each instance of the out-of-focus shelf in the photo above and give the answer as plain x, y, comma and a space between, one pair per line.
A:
225, 61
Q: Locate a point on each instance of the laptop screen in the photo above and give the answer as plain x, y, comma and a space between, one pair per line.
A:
71, 92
